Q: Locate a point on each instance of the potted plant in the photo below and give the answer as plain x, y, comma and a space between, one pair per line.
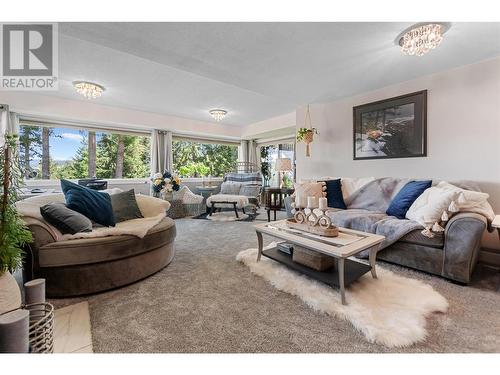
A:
306, 134
14, 234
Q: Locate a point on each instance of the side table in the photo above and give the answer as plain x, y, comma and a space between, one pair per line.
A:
274, 197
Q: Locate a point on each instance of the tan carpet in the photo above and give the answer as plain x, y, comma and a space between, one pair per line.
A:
206, 301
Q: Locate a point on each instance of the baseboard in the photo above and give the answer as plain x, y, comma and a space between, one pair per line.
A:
490, 257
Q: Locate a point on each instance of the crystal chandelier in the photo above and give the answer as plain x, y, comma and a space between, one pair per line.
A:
218, 114
421, 38
88, 89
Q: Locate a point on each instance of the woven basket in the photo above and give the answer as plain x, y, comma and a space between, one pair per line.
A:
41, 333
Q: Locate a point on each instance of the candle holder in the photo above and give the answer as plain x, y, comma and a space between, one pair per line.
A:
313, 223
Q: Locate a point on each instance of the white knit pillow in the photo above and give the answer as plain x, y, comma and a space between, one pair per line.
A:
470, 201
430, 205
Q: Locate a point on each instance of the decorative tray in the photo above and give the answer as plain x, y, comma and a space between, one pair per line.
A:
330, 231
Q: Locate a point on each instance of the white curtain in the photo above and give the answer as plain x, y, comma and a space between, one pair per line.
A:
161, 151
253, 154
9, 123
243, 151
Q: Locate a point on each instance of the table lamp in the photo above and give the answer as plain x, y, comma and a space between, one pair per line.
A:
282, 165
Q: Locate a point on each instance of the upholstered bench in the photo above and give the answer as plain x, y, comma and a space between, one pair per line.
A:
219, 201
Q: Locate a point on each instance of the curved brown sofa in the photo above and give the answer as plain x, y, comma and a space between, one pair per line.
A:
91, 265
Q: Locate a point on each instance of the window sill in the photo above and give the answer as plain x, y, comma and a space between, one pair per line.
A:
111, 181
118, 181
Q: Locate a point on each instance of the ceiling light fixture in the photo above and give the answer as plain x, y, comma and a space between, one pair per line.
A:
218, 114
421, 37
88, 89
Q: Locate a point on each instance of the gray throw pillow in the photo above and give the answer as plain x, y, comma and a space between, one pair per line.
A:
231, 188
125, 206
65, 219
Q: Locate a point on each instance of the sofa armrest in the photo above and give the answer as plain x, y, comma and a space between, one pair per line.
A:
462, 242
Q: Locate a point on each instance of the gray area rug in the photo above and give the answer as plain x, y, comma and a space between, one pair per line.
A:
206, 301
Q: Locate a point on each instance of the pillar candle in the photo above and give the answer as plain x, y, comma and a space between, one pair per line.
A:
323, 203
34, 291
14, 332
311, 202
297, 200
303, 201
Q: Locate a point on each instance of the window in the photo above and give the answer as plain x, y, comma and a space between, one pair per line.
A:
58, 152
200, 159
268, 155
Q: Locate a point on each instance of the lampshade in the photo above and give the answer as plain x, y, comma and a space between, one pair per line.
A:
283, 165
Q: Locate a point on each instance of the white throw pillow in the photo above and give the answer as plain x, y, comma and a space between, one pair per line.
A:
470, 201
430, 205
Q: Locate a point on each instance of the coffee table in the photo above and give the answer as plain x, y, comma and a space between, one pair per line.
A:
347, 244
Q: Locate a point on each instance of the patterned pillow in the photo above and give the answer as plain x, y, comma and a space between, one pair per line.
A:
309, 189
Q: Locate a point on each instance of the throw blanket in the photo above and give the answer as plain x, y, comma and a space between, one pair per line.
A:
380, 223
153, 210
366, 211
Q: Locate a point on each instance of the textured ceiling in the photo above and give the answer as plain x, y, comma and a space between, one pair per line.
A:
253, 70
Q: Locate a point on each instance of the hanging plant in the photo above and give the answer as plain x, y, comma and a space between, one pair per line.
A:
306, 134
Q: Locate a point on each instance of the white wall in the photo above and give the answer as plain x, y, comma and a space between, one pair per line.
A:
463, 132
92, 111
274, 126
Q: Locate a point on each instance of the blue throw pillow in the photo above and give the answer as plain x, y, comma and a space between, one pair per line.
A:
91, 203
406, 196
334, 194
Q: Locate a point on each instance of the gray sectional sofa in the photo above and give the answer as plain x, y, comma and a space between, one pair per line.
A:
452, 254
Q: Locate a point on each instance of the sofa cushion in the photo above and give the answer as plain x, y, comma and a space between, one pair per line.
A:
334, 194
406, 196
104, 249
65, 219
125, 206
91, 203
225, 200
416, 237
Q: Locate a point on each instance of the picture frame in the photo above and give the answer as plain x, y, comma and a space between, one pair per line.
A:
391, 128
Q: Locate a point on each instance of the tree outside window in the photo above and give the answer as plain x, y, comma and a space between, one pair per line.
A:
54, 153
194, 159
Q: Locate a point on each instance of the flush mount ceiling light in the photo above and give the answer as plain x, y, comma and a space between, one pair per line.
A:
421, 37
217, 114
88, 89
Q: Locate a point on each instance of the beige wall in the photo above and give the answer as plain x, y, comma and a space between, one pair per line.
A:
463, 132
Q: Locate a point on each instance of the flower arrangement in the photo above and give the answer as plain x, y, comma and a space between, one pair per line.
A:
165, 182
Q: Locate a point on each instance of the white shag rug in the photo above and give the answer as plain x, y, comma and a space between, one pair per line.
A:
227, 216
390, 310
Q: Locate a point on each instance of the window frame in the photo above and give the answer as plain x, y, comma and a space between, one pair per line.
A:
89, 127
